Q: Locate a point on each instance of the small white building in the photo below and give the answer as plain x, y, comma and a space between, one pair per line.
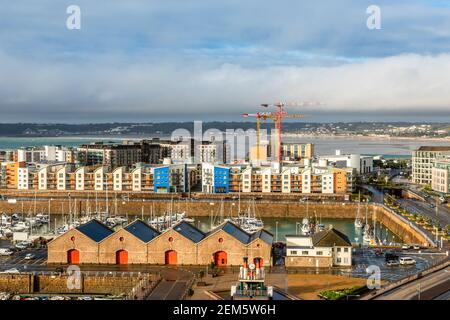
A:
329, 248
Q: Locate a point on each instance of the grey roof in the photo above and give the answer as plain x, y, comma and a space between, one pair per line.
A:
95, 230
330, 238
239, 234
236, 232
264, 235
142, 230
189, 231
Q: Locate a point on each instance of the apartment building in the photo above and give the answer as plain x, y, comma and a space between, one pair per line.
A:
109, 155
215, 179
297, 151
291, 179
423, 160
362, 164
48, 153
440, 175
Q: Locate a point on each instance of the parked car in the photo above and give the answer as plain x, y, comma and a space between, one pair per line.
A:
13, 270
21, 246
29, 256
406, 261
392, 263
390, 256
406, 247
5, 252
416, 247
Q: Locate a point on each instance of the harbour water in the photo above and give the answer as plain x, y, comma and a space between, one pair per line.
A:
287, 226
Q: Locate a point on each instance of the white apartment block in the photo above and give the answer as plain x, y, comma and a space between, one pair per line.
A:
423, 161
440, 175
362, 164
25, 177
63, 178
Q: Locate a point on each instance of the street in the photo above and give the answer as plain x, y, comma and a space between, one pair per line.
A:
424, 208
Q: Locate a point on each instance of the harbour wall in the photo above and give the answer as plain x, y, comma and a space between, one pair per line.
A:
28, 283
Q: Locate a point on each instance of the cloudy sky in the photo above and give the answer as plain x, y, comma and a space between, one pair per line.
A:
205, 59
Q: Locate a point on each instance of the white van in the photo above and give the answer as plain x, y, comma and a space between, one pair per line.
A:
406, 260
5, 252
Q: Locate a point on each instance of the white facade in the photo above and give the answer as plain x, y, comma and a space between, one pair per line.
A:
24, 178
328, 183
118, 178
63, 178
362, 164
80, 178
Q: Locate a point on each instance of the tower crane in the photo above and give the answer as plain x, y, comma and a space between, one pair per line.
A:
279, 114
258, 116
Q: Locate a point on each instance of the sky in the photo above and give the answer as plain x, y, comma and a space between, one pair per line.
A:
144, 61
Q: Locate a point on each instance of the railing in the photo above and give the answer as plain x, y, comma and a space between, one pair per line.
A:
252, 293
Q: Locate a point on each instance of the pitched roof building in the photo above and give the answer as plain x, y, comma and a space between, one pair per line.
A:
329, 248
139, 243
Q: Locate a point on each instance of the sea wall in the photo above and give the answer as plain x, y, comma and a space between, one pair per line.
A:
24, 283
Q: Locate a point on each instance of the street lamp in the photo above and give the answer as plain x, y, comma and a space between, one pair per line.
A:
276, 231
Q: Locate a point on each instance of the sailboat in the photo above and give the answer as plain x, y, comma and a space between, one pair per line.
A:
249, 222
306, 226
368, 235
169, 219
358, 221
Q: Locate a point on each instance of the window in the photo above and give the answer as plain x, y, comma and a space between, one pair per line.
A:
319, 253
293, 252
338, 260
345, 260
305, 253
345, 249
338, 249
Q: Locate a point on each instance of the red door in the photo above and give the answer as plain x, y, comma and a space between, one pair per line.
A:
122, 257
171, 257
220, 258
73, 256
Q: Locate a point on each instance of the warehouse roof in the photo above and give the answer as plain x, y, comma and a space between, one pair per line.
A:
330, 238
142, 230
95, 230
189, 231
241, 235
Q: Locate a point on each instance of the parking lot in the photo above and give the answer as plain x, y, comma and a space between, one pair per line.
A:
17, 260
363, 258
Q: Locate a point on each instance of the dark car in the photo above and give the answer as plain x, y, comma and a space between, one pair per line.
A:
388, 256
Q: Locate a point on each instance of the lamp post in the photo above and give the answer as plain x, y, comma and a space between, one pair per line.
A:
276, 231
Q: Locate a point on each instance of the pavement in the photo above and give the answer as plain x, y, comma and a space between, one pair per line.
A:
435, 285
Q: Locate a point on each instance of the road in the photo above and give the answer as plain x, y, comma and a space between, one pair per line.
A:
427, 288
415, 206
